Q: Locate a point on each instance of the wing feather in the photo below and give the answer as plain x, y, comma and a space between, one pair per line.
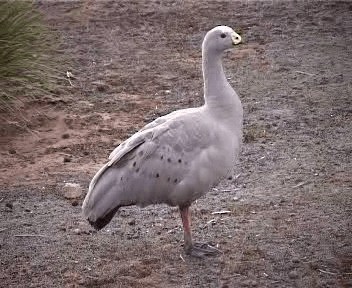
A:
173, 146
125, 148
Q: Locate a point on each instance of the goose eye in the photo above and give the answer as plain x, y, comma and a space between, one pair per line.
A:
222, 35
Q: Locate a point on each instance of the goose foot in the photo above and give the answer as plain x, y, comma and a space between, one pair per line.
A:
201, 250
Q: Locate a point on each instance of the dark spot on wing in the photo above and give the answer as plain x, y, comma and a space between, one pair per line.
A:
157, 175
134, 164
169, 160
162, 157
179, 161
175, 181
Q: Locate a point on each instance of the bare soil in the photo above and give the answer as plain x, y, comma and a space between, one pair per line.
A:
290, 199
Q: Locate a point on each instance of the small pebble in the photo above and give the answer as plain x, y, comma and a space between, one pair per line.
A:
132, 222
100, 86
295, 260
250, 283
65, 136
74, 203
72, 191
135, 236
12, 151
77, 231
67, 159
204, 211
314, 265
293, 274
9, 205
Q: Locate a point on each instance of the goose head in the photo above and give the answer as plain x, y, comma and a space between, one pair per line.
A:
221, 38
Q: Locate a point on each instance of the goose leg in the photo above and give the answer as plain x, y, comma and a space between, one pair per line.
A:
194, 249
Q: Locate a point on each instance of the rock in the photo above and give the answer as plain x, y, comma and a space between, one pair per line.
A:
74, 203
295, 260
65, 136
9, 205
293, 274
72, 191
101, 86
250, 283
12, 151
62, 228
132, 222
67, 159
77, 231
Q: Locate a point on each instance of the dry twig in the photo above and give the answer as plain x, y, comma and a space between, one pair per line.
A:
31, 235
305, 73
326, 272
300, 184
221, 212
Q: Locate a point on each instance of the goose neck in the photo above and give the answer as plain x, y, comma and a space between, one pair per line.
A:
213, 73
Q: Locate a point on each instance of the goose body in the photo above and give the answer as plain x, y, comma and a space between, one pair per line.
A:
176, 158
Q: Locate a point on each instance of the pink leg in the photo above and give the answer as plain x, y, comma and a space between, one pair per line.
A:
186, 222
194, 249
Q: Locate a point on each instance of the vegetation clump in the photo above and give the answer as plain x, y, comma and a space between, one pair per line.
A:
27, 46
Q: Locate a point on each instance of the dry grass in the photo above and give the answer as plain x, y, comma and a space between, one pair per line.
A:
254, 132
28, 66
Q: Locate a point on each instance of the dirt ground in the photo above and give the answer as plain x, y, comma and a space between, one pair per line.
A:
290, 198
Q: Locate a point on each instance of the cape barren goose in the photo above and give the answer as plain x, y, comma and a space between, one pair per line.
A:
176, 158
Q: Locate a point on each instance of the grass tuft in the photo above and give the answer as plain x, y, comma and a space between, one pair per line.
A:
28, 68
